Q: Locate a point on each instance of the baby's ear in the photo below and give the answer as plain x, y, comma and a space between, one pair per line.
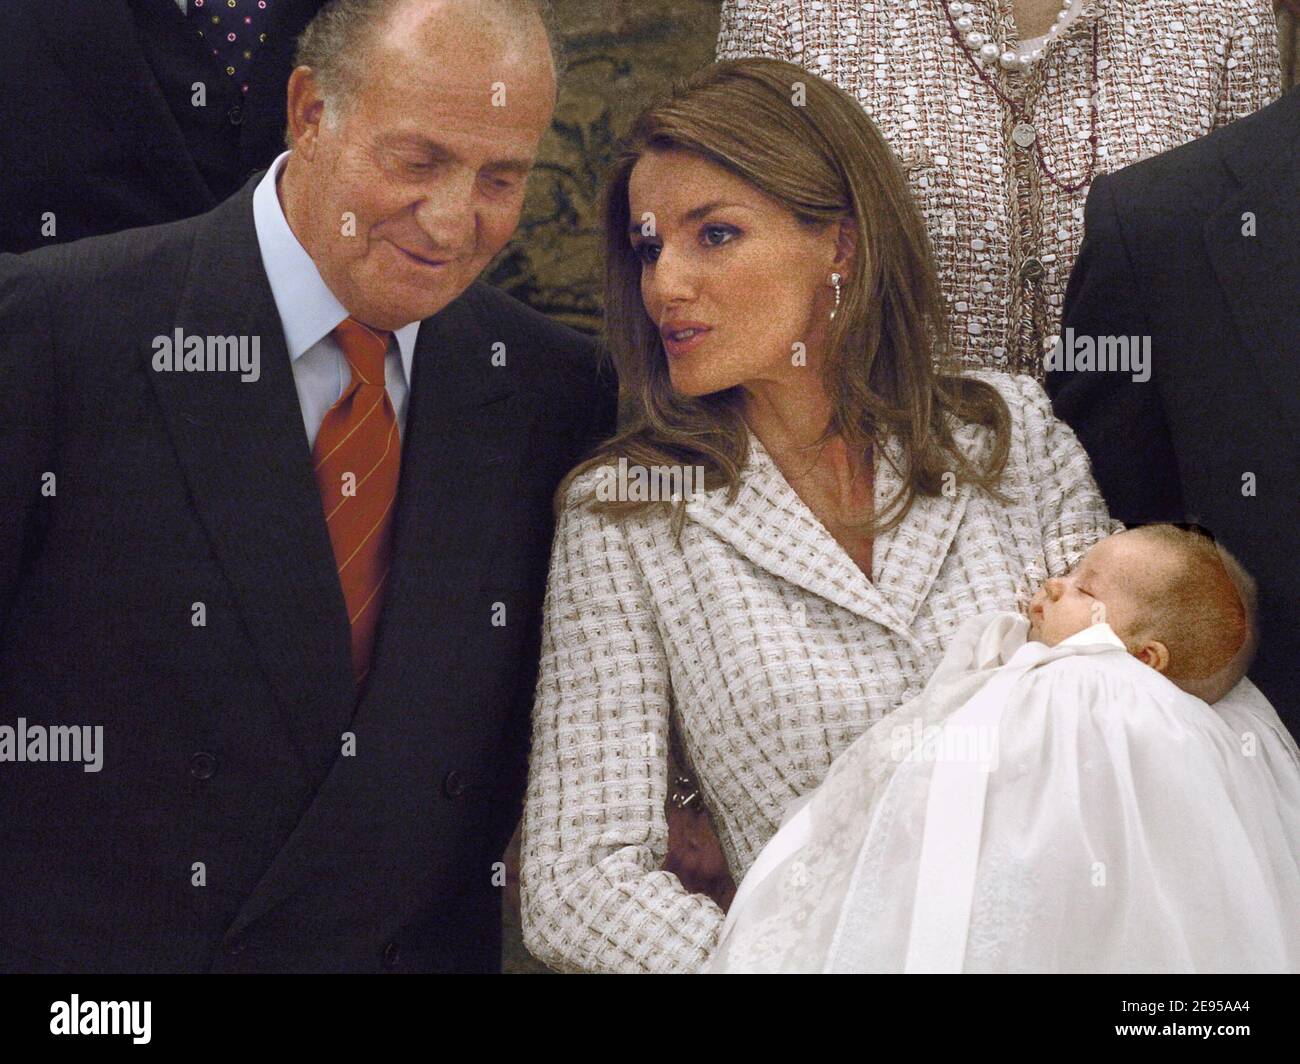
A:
1155, 654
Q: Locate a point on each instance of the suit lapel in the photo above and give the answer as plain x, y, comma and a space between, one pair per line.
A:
460, 457
463, 427
774, 528
98, 48
907, 558
1258, 274
244, 453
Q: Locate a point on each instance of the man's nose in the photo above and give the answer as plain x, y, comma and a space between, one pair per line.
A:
448, 214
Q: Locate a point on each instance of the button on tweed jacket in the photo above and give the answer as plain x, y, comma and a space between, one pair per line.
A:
768, 651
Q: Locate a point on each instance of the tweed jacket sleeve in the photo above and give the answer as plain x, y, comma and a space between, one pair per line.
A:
595, 833
1070, 508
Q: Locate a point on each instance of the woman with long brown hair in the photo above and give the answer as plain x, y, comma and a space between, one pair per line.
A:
804, 503
1004, 111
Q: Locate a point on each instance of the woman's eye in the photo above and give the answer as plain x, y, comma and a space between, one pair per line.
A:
647, 252
724, 232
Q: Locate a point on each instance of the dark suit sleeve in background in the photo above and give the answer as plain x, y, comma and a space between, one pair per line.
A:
26, 421
1120, 421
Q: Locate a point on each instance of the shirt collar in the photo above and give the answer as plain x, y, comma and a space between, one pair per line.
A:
1097, 633
308, 310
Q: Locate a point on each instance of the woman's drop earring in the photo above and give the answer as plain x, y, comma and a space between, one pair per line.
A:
835, 281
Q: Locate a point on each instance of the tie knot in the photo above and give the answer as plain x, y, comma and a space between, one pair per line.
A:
364, 348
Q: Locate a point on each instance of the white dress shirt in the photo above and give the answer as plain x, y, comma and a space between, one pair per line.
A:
309, 313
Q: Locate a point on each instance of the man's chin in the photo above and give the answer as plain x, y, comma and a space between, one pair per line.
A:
427, 296
394, 316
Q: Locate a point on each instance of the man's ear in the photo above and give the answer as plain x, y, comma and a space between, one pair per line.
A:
306, 110
1155, 654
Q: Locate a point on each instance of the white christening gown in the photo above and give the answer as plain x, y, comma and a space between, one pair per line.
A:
1037, 809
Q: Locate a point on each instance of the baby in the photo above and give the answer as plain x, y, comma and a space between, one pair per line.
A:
1181, 604
1048, 802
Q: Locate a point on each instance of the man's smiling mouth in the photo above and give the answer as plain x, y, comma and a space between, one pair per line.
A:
420, 260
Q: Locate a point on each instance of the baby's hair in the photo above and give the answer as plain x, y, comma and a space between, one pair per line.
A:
1206, 613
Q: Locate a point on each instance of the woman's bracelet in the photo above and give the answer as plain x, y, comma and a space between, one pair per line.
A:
685, 791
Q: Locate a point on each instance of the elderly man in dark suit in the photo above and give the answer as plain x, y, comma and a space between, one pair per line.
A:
1190, 266
122, 113
275, 515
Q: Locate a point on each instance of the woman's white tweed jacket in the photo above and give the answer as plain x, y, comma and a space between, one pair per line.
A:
769, 650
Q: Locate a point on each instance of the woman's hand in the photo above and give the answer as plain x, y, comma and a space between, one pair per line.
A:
695, 855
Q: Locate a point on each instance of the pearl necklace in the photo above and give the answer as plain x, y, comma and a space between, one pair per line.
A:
1025, 135
985, 51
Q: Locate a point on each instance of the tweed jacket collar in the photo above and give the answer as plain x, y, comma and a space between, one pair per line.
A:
774, 528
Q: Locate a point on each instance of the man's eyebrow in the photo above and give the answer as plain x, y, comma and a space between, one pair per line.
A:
511, 166
693, 215
441, 152
416, 140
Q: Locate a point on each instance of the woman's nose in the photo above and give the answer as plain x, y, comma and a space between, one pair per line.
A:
671, 282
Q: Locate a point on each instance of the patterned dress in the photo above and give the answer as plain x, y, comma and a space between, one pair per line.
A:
1005, 236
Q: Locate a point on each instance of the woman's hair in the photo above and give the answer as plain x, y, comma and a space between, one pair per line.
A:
887, 370
1204, 610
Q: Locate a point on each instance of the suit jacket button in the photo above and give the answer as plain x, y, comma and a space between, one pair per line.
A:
234, 946
1032, 270
203, 766
454, 785
392, 955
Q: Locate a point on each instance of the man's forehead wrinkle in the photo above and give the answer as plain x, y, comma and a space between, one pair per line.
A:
464, 108
462, 90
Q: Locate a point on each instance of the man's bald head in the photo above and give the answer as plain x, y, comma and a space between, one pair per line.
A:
414, 125
347, 37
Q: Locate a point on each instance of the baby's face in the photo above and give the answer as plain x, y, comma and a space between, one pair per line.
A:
1103, 588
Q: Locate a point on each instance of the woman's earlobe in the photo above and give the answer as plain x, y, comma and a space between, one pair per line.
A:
846, 245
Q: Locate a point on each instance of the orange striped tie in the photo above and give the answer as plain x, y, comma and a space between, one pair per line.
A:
357, 457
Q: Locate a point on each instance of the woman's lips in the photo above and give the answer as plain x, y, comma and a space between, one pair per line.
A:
677, 348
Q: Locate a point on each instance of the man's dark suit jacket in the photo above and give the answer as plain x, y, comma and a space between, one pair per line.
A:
1199, 249
90, 91
222, 742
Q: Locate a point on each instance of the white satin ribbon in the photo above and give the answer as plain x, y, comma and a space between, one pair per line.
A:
954, 814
